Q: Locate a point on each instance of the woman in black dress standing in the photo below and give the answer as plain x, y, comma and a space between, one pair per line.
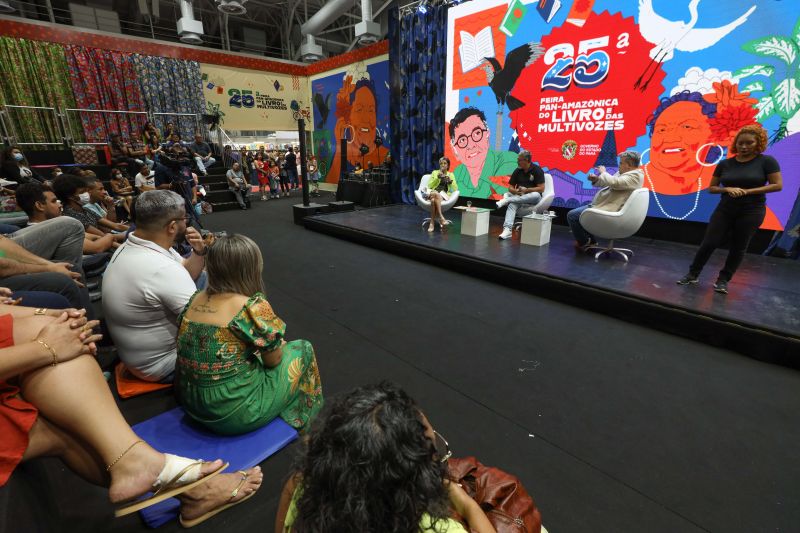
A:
743, 181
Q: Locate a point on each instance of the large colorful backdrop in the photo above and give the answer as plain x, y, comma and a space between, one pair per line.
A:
351, 103
578, 81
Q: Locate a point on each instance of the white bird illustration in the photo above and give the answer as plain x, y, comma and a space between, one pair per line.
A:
670, 35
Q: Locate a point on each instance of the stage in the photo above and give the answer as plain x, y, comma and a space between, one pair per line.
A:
760, 317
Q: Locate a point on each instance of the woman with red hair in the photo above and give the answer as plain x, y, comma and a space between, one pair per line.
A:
743, 181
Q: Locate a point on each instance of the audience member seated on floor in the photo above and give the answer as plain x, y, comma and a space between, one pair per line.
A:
237, 184
121, 152
15, 166
372, 462
122, 189
743, 182
235, 372
148, 284
73, 191
615, 192
145, 180
441, 185
102, 205
201, 152
40, 204
48, 377
525, 188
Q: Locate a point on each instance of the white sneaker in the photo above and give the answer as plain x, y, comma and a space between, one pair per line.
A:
501, 204
507, 233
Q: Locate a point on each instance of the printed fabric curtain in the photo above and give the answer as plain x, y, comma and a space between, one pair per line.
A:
36, 74
105, 79
171, 86
418, 58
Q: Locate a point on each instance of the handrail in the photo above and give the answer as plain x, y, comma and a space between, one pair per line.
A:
28, 107
107, 111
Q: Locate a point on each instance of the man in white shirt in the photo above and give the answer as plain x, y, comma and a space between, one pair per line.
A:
145, 180
147, 284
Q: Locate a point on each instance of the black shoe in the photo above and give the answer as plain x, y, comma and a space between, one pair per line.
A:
721, 286
688, 279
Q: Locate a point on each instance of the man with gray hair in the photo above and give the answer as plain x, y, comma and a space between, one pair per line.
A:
615, 192
147, 284
525, 189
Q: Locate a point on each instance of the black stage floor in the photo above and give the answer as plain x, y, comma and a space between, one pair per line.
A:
759, 318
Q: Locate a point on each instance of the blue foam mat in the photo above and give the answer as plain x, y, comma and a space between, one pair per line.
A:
173, 432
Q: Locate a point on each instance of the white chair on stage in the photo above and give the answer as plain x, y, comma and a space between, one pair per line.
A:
426, 204
617, 224
542, 207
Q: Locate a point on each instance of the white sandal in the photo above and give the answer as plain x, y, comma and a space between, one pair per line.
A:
178, 475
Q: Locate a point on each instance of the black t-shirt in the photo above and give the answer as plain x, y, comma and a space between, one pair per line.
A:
290, 160
533, 177
749, 175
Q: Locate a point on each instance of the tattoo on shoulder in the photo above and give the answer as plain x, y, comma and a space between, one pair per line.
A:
204, 308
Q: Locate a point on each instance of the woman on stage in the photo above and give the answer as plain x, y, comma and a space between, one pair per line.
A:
440, 186
743, 181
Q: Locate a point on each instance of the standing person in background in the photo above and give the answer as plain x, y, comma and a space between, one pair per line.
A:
313, 176
251, 165
290, 164
274, 179
237, 184
284, 176
263, 176
744, 182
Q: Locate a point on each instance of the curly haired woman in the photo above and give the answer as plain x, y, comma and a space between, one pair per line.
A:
743, 181
374, 463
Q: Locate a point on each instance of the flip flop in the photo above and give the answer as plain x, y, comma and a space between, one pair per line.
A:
175, 478
202, 518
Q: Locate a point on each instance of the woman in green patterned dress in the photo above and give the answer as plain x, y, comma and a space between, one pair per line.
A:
235, 372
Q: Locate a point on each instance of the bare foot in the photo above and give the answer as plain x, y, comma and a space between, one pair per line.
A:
135, 473
217, 492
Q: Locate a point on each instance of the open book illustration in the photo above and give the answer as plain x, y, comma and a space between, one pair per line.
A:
474, 49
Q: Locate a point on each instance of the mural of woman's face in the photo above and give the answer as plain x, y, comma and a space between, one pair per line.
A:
363, 118
679, 133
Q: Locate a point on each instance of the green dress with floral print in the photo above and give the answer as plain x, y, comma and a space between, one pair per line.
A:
222, 382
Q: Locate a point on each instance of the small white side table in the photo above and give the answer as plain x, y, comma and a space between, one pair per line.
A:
475, 221
535, 230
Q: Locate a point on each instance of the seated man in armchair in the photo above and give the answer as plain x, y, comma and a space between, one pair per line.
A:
615, 192
525, 188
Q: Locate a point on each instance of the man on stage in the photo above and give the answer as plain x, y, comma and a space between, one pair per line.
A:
525, 189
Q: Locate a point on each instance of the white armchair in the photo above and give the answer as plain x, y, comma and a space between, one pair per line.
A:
544, 204
426, 204
617, 224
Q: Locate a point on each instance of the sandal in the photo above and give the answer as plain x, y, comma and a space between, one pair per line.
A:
202, 518
178, 475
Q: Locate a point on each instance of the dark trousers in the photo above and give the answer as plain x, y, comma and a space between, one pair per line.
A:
50, 300
741, 220
51, 282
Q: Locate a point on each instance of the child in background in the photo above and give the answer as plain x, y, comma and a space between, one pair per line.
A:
313, 175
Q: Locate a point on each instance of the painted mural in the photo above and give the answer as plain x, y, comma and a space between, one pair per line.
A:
578, 81
351, 104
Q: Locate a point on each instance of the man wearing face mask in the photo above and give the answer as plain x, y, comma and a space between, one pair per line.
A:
147, 284
73, 191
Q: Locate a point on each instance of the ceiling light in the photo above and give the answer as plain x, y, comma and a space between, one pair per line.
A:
232, 7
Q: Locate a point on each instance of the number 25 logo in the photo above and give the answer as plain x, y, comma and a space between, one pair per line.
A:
588, 69
241, 98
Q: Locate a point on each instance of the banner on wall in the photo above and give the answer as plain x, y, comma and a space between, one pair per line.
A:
575, 82
351, 104
255, 100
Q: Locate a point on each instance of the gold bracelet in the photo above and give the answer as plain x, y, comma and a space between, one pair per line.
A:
52, 351
40, 311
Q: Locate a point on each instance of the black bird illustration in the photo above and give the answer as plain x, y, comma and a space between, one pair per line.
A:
323, 106
503, 78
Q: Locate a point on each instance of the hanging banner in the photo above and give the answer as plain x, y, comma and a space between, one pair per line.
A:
575, 82
255, 100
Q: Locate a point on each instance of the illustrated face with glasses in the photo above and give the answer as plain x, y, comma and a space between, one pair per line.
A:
471, 143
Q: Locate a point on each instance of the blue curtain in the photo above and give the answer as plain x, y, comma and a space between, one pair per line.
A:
171, 86
418, 59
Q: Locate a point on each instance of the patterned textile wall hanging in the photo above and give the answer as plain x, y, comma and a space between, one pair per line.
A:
104, 79
171, 86
417, 55
36, 74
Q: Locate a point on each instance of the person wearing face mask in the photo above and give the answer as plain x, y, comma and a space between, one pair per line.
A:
122, 189
16, 168
73, 191
147, 284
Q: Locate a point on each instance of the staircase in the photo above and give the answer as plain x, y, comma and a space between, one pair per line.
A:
216, 185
